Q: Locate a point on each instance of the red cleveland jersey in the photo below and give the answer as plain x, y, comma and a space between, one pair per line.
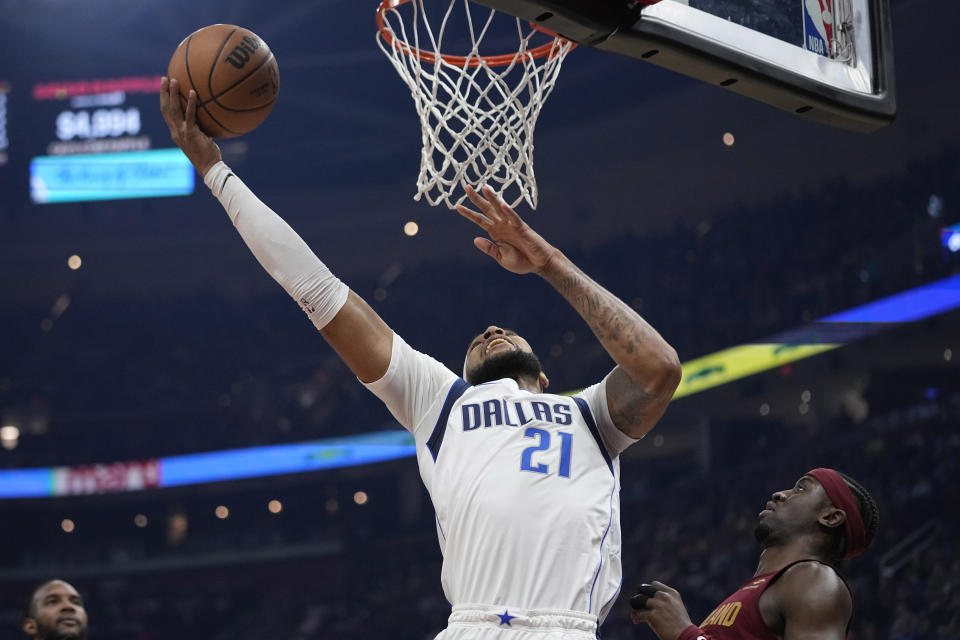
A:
738, 617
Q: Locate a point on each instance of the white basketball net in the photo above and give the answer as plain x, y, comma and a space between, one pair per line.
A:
478, 120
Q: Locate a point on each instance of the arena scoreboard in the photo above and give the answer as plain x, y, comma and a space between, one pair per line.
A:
89, 139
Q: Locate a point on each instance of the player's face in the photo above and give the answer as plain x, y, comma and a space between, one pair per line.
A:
492, 341
497, 343
792, 511
58, 613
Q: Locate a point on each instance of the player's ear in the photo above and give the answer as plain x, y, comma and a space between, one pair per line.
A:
29, 627
831, 517
544, 381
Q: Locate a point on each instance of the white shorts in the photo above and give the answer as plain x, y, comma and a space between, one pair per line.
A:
476, 622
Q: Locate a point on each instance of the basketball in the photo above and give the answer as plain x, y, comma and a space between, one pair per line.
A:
234, 74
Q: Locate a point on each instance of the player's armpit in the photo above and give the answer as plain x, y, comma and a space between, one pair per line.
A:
815, 603
361, 338
635, 409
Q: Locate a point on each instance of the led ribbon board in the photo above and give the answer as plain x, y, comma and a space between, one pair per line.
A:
202, 468
111, 176
741, 361
825, 334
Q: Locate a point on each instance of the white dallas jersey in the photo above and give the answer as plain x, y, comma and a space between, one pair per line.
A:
526, 486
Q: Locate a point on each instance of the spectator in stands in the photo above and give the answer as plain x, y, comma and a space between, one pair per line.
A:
55, 611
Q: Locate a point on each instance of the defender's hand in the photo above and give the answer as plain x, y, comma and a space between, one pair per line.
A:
199, 148
512, 243
664, 612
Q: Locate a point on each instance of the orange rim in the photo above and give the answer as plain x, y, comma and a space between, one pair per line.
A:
430, 57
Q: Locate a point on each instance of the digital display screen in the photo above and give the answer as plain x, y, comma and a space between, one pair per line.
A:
950, 238
4, 138
99, 115
111, 176
90, 139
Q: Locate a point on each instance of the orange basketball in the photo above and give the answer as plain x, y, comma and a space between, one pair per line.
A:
234, 74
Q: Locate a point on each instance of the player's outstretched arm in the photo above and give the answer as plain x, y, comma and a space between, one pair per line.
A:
353, 329
648, 370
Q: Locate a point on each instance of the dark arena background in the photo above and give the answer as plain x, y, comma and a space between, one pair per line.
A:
181, 445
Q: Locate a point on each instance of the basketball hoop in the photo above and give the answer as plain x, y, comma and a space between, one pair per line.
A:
477, 112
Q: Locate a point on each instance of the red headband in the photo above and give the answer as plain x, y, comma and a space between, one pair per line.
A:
842, 498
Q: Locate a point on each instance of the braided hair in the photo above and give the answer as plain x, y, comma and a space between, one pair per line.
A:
869, 513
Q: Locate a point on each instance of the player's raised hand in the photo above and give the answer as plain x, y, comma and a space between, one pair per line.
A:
199, 148
512, 242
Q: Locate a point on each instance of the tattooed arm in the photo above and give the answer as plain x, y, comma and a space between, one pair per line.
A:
647, 371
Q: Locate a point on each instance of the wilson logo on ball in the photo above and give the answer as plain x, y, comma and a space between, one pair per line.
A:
234, 74
241, 53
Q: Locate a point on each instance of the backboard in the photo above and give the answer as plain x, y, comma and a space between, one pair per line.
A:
826, 60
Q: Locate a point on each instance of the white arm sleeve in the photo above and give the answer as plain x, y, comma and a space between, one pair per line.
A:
413, 386
278, 248
615, 439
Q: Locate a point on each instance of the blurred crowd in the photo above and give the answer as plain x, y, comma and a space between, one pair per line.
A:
690, 529
352, 553
700, 540
138, 378
121, 379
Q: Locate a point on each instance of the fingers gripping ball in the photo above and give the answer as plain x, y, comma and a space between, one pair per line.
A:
234, 74
644, 593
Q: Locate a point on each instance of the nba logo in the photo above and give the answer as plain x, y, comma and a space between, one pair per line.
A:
818, 26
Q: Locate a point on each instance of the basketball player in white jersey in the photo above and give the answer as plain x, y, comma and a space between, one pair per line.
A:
525, 484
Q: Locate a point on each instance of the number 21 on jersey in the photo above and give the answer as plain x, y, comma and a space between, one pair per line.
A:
543, 444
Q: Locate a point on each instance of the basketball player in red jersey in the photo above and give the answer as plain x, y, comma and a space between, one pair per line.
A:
797, 592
